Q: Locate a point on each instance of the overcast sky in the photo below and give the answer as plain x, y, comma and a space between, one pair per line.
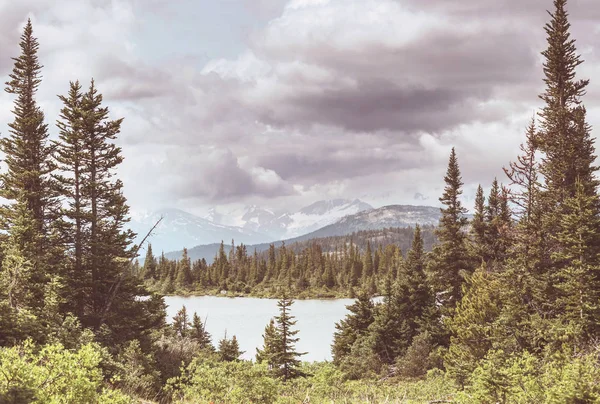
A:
282, 103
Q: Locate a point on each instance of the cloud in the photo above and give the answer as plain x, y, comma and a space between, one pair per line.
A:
328, 98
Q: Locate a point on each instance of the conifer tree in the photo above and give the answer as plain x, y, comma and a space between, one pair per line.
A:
479, 227
199, 333
27, 182
184, 271
229, 349
181, 322
578, 280
450, 260
523, 174
368, 262
109, 243
271, 347
564, 139
150, 266
285, 360
354, 325
69, 156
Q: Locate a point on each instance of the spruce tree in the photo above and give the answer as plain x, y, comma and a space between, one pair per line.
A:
199, 333
479, 227
450, 258
229, 349
286, 361
568, 152
354, 325
69, 156
578, 280
27, 182
109, 242
149, 269
181, 322
184, 271
271, 346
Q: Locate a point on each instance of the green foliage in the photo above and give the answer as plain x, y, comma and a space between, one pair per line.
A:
229, 349
450, 259
352, 327
527, 379
54, 375
473, 326
206, 381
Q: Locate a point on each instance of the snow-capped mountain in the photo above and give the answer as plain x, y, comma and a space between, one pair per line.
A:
387, 216
180, 229
373, 219
310, 218
252, 225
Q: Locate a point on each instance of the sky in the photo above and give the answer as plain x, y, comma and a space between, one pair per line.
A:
281, 103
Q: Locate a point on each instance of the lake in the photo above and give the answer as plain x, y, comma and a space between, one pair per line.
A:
246, 318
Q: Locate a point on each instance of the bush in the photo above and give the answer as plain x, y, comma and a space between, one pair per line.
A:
527, 379
209, 381
54, 375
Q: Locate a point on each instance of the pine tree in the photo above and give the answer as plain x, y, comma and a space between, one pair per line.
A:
414, 281
271, 345
286, 362
184, 271
69, 156
368, 262
150, 266
109, 243
181, 322
352, 327
229, 349
564, 138
199, 333
479, 227
450, 259
578, 280
408, 307
27, 182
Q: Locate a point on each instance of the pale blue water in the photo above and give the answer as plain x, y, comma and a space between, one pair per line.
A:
246, 318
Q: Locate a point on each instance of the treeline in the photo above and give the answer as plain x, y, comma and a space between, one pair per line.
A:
334, 266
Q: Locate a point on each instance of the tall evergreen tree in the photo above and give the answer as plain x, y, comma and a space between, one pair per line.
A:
229, 349
69, 156
450, 258
199, 333
354, 325
150, 266
285, 361
479, 227
109, 243
566, 144
27, 183
271, 347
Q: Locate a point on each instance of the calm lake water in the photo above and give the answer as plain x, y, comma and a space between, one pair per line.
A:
246, 318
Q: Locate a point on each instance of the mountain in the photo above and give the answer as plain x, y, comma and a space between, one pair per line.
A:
310, 218
387, 216
394, 216
180, 229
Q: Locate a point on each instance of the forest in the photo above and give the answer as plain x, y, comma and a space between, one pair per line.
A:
319, 268
505, 308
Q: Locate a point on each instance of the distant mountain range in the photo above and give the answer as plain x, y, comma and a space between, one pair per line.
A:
179, 229
253, 225
395, 216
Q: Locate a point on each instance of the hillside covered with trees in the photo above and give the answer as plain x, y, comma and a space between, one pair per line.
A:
504, 309
324, 267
